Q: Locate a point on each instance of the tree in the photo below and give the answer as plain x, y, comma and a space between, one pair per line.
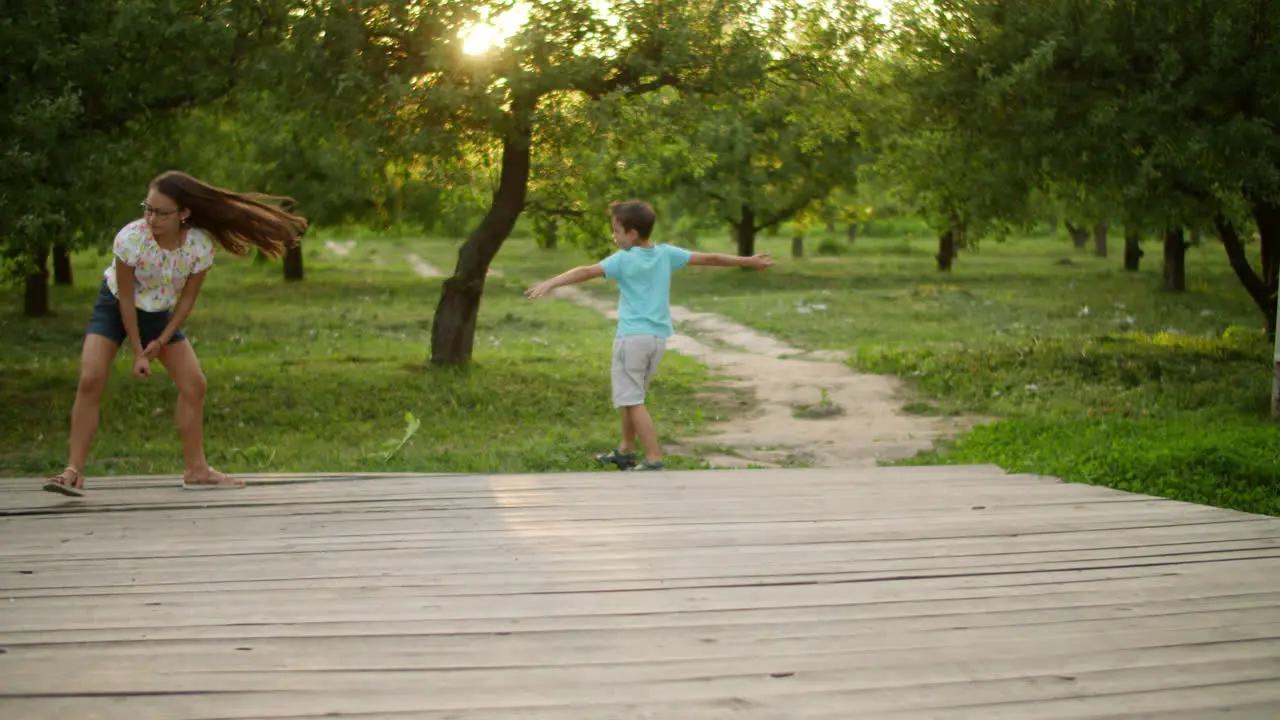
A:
565, 47
1275, 381
326, 120
88, 88
942, 168
1167, 105
762, 150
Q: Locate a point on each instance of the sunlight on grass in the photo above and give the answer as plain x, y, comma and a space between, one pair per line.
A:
1099, 375
318, 376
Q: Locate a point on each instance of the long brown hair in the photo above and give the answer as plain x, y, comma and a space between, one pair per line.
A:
236, 220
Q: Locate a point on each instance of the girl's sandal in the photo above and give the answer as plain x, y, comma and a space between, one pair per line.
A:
69, 482
213, 481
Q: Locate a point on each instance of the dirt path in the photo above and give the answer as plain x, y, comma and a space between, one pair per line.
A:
784, 406
775, 400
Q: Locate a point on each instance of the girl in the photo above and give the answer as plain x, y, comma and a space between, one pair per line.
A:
148, 292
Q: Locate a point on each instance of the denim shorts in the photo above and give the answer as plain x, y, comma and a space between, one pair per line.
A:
106, 321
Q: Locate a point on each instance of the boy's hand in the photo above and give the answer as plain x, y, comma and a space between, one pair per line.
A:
760, 262
539, 290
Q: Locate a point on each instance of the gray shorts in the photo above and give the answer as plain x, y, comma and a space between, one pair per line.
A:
635, 359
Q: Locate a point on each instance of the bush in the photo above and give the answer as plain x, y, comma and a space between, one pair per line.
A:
1181, 417
1223, 463
830, 247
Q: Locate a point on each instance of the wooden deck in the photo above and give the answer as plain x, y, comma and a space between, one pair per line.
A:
954, 592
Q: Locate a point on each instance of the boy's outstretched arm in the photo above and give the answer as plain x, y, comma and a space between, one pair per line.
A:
576, 275
759, 262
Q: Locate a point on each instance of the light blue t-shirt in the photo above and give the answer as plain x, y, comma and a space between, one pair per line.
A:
643, 275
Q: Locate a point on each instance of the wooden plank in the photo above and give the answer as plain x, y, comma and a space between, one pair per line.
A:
666, 644
89, 556
501, 527
903, 616
410, 602
701, 565
960, 592
799, 695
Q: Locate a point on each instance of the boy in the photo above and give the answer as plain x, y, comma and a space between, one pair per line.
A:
643, 273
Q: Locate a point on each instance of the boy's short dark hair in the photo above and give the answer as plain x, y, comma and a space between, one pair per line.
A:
635, 215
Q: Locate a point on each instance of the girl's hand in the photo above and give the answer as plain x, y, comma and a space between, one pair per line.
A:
142, 366
153, 349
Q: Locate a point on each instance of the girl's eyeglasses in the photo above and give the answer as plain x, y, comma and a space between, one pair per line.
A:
148, 210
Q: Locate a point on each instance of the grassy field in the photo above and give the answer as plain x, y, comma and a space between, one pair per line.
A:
1096, 373
318, 376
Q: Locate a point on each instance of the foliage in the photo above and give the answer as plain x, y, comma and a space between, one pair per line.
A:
1165, 109
88, 88
770, 142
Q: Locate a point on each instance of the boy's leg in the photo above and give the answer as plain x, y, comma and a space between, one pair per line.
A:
628, 444
646, 432
647, 353
624, 455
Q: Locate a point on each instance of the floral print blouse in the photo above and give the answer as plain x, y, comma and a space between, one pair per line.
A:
159, 274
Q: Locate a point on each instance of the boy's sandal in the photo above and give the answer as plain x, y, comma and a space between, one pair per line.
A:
213, 481
647, 466
619, 458
69, 482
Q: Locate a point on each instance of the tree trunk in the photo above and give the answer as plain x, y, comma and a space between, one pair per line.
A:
852, 233
1079, 236
1132, 250
1267, 215
453, 330
293, 262
745, 232
61, 265
946, 250
1275, 378
1263, 296
1275, 384
1194, 240
1100, 239
549, 234
35, 301
797, 246
1175, 260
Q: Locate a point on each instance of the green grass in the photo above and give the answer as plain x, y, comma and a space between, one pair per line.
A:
318, 376
1174, 416
1096, 374
886, 292
1229, 462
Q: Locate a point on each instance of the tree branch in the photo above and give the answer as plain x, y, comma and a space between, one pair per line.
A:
1253, 284
787, 212
542, 209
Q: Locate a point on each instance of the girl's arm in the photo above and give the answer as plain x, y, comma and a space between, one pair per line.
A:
128, 305
186, 303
